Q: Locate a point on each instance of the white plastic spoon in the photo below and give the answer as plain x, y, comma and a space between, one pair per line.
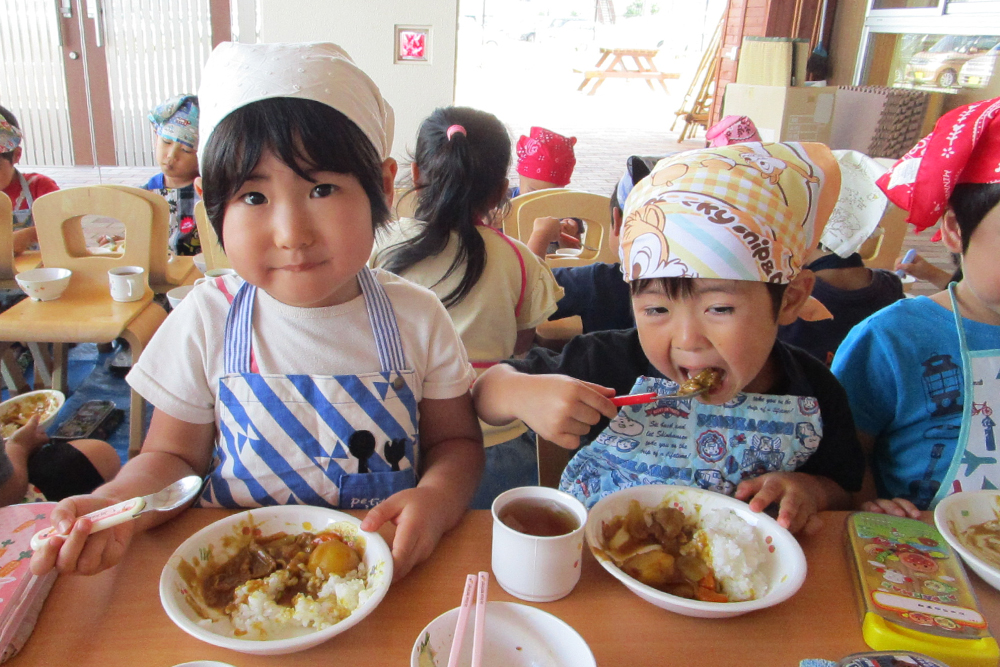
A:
176, 495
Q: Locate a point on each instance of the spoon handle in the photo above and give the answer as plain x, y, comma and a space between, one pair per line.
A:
103, 518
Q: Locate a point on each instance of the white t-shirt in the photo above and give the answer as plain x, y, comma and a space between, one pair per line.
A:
179, 370
485, 317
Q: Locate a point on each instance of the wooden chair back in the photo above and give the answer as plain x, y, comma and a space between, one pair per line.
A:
160, 237
881, 250
594, 209
6, 242
215, 256
404, 203
510, 226
61, 240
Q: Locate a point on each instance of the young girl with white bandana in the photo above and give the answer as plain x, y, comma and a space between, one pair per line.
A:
22, 188
712, 245
923, 375
304, 379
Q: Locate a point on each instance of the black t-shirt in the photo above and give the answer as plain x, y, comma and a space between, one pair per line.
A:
615, 359
597, 293
848, 307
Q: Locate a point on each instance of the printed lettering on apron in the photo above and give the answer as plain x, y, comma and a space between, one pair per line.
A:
684, 441
347, 441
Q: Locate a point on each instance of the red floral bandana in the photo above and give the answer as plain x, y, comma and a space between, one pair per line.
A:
963, 148
546, 156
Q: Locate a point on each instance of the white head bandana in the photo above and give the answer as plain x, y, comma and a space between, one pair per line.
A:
859, 207
238, 74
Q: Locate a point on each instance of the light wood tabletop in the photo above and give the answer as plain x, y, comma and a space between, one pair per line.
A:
115, 619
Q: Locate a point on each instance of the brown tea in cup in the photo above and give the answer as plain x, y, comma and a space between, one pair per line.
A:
538, 517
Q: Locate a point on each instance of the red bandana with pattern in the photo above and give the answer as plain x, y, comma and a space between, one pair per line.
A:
963, 148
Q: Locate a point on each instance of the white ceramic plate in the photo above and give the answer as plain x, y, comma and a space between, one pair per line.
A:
956, 513
516, 636
185, 607
784, 563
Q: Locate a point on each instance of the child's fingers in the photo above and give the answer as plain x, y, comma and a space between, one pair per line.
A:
792, 513
908, 507
764, 495
884, 506
43, 560
386, 510
813, 525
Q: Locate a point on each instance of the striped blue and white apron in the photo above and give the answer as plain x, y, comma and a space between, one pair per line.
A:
347, 441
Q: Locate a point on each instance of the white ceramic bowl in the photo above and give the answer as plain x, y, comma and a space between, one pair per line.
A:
12, 406
956, 513
784, 566
44, 284
516, 636
177, 294
199, 262
180, 601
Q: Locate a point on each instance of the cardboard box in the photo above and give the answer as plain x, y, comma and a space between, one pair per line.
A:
784, 113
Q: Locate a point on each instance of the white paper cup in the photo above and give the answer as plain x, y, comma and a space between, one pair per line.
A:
128, 283
537, 569
215, 273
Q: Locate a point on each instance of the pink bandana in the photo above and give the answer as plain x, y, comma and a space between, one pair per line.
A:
546, 156
963, 148
732, 130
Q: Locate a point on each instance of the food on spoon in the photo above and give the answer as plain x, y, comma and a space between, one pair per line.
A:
715, 558
706, 378
21, 410
284, 585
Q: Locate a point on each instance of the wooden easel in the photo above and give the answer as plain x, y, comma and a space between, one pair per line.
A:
704, 83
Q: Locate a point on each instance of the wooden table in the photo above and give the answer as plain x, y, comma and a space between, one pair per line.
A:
617, 69
115, 619
85, 313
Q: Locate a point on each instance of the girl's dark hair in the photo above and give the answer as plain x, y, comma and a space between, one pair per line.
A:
683, 288
12, 119
304, 134
461, 182
971, 202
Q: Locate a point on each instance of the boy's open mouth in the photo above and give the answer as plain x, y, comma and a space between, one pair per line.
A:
708, 377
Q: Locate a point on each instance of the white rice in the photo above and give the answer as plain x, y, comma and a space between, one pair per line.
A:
732, 548
258, 616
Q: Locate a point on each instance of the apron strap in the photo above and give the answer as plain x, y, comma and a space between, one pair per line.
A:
25, 198
238, 349
383, 321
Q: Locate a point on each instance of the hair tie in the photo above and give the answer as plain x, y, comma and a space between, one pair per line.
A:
453, 129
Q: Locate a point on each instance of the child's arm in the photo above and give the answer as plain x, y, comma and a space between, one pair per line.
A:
24, 442
867, 499
799, 496
557, 407
23, 238
173, 449
923, 270
545, 231
452, 458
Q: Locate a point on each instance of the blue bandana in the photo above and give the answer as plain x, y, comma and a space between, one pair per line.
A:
177, 120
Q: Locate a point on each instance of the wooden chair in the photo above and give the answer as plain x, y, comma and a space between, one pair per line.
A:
86, 313
594, 209
510, 225
404, 203
9, 369
215, 256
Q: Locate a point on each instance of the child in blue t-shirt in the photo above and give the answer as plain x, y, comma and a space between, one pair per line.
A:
922, 402
176, 124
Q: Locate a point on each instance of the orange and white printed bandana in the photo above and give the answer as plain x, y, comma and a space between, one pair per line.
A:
742, 212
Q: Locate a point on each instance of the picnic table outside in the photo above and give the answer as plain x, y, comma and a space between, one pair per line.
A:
617, 69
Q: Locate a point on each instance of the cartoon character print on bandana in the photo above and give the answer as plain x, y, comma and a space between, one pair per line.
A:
683, 441
762, 200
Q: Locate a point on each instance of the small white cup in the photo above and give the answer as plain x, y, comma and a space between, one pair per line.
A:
177, 294
128, 283
537, 569
215, 273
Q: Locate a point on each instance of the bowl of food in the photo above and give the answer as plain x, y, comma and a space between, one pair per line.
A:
516, 636
694, 552
970, 523
199, 262
275, 580
44, 284
15, 412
